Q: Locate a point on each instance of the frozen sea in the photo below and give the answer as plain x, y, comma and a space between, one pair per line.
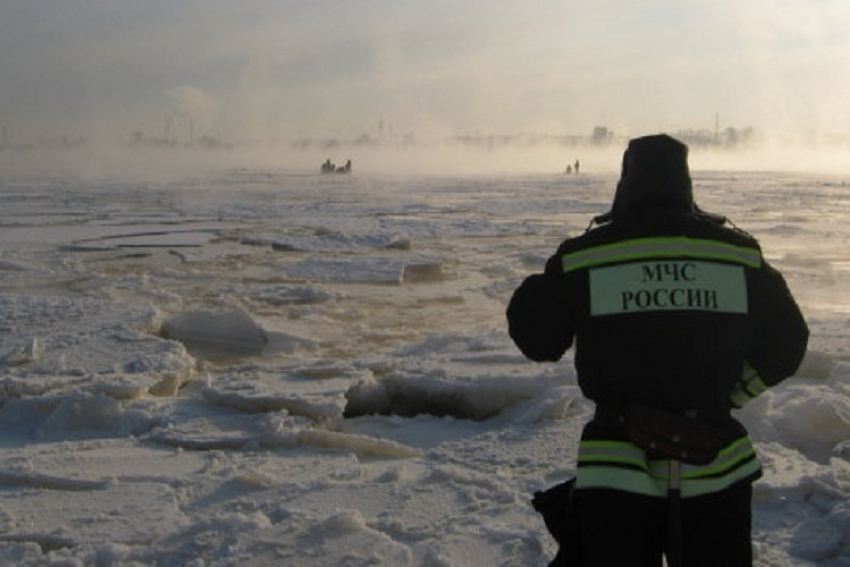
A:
259, 366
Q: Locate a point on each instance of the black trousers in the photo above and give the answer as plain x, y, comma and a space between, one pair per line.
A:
624, 529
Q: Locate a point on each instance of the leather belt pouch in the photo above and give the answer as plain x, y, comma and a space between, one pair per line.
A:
674, 436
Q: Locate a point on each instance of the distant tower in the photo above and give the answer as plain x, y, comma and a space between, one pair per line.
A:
600, 134
716, 127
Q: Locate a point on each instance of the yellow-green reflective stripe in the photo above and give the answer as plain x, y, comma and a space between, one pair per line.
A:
753, 385
691, 488
614, 459
742, 444
599, 453
660, 247
727, 459
627, 449
615, 451
756, 387
749, 386
640, 482
620, 479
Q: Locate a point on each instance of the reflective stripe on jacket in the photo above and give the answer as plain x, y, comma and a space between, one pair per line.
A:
621, 465
661, 247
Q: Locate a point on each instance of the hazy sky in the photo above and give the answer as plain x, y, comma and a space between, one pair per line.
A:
264, 69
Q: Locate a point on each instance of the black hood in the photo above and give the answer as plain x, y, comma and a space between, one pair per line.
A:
655, 176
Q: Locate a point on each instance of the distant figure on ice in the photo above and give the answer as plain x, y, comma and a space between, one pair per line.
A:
569, 170
576, 167
677, 320
330, 167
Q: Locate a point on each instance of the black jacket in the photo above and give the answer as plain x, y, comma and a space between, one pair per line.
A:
665, 308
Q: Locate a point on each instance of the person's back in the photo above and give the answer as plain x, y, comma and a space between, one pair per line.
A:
670, 310
675, 301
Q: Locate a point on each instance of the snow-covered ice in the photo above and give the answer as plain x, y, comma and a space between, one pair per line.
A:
271, 367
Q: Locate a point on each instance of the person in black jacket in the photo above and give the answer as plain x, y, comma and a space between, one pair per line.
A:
676, 320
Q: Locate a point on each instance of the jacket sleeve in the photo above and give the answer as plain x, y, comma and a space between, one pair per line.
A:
538, 318
780, 336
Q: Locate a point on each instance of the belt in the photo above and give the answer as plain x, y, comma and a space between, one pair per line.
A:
618, 412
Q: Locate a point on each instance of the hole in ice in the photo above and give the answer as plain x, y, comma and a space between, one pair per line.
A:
409, 396
47, 543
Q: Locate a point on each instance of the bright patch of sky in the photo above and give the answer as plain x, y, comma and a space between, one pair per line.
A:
278, 70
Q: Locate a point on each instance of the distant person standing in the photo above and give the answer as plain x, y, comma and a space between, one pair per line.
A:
677, 319
577, 164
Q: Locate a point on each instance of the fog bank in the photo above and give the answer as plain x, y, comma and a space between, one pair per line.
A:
439, 158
